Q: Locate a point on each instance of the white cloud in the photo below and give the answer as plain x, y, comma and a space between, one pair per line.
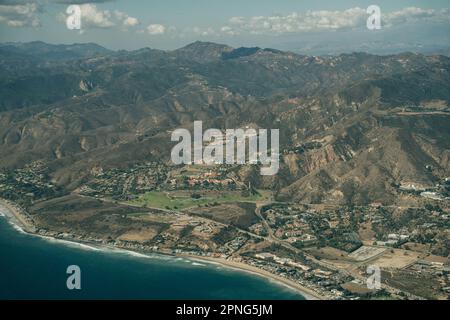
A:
24, 13
130, 22
125, 19
204, 32
92, 17
296, 22
324, 20
414, 14
20, 15
156, 29
77, 1
229, 31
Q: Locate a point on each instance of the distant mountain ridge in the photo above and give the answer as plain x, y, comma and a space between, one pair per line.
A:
55, 51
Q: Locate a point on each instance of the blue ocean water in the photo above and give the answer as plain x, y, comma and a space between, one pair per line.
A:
35, 268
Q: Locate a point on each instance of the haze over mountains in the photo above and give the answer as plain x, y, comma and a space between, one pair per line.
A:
353, 127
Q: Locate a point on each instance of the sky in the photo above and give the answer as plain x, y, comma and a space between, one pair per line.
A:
304, 26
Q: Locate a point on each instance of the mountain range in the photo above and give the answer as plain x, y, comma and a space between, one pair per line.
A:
353, 127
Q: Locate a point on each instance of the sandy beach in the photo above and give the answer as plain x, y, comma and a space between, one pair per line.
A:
305, 292
14, 214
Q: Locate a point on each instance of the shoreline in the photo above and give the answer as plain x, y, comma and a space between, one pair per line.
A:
243, 267
16, 218
14, 214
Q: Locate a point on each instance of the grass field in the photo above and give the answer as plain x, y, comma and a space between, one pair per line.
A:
177, 200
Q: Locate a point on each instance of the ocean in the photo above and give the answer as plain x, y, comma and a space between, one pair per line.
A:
32, 267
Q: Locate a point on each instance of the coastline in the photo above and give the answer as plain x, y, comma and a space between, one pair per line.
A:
305, 292
17, 219
15, 216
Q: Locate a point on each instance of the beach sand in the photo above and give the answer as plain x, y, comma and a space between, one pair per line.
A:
14, 214
305, 292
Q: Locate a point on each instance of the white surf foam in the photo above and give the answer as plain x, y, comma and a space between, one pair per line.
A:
121, 251
16, 227
198, 264
132, 253
72, 244
100, 248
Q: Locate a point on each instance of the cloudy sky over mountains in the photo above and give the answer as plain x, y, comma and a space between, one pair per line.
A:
304, 26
